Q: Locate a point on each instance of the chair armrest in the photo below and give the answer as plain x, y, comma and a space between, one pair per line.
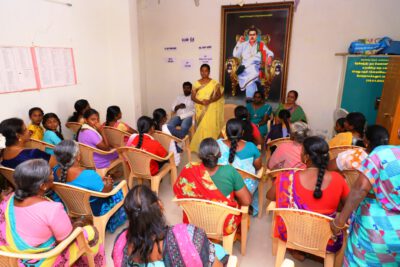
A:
55, 251
122, 185
271, 205
244, 209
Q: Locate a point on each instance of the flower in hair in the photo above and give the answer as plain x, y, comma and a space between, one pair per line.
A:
2, 142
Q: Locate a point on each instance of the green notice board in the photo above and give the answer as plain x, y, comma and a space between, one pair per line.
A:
363, 84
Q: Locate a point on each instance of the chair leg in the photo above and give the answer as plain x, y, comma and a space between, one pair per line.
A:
244, 230
90, 259
155, 184
274, 246
173, 174
261, 185
189, 153
227, 242
329, 260
280, 255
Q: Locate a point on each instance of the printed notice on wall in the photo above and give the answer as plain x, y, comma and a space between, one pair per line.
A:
187, 64
56, 66
17, 71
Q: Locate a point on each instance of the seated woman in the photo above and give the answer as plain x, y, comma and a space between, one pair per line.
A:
241, 154
160, 120
53, 134
33, 224
149, 241
92, 134
68, 170
80, 108
113, 118
281, 128
144, 140
209, 181
314, 189
354, 134
260, 112
296, 112
288, 154
351, 159
16, 134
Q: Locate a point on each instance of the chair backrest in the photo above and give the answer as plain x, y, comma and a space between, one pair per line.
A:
306, 231
206, 214
247, 175
33, 143
10, 259
229, 112
138, 160
276, 172
351, 176
75, 199
73, 126
8, 173
334, 151
163, 138
87, 160
276, 143
115, 137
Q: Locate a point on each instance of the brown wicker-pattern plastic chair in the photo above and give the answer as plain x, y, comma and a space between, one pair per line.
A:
306, 231
267, 178
76, 200
73, 126
10, 259
334, 151
229, 112
139, 164
275, 142
116, 138
211, 216
87, 160
8, 173
166, 139
351, 176
33, 143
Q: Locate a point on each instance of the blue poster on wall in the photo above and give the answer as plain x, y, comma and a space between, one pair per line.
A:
363, 84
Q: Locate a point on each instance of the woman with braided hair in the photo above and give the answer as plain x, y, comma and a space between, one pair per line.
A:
69, 171
144, 140
241, 154
315, 188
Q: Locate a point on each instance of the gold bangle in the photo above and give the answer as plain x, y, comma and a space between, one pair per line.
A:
337, 227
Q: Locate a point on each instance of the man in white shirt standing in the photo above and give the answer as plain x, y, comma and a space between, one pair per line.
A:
183, 106
255, 57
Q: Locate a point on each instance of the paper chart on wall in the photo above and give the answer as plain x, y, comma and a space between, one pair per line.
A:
56, 66
17, 70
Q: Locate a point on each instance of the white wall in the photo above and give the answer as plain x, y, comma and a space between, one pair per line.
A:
103, 34
321, 28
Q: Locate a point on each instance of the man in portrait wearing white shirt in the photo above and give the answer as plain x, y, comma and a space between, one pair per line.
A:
254, 54
183, 107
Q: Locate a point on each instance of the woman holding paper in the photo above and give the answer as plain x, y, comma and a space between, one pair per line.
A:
207, 95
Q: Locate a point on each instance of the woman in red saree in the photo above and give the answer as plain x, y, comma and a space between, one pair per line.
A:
207, 180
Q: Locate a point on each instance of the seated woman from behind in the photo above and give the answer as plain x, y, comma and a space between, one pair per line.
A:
354, 134
160, 120
144, 140
149, 241
314, 189
113, 118
68, 170
16, 134
281, 128
241, 154
92, 134
81, 106
209, 181
34, 224
288, 154
53, 134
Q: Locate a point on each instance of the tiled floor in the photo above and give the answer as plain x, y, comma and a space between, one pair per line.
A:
259, 245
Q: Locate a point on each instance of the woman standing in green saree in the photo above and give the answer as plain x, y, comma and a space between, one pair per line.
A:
296, 112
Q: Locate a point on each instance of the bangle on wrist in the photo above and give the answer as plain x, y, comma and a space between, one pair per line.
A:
338, 227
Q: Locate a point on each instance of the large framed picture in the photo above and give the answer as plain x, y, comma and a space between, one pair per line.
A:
255, 50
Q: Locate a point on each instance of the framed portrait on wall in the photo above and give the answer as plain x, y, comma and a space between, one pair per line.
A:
255, 42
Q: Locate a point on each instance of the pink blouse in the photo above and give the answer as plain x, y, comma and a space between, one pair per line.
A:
287, 155
37, 223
